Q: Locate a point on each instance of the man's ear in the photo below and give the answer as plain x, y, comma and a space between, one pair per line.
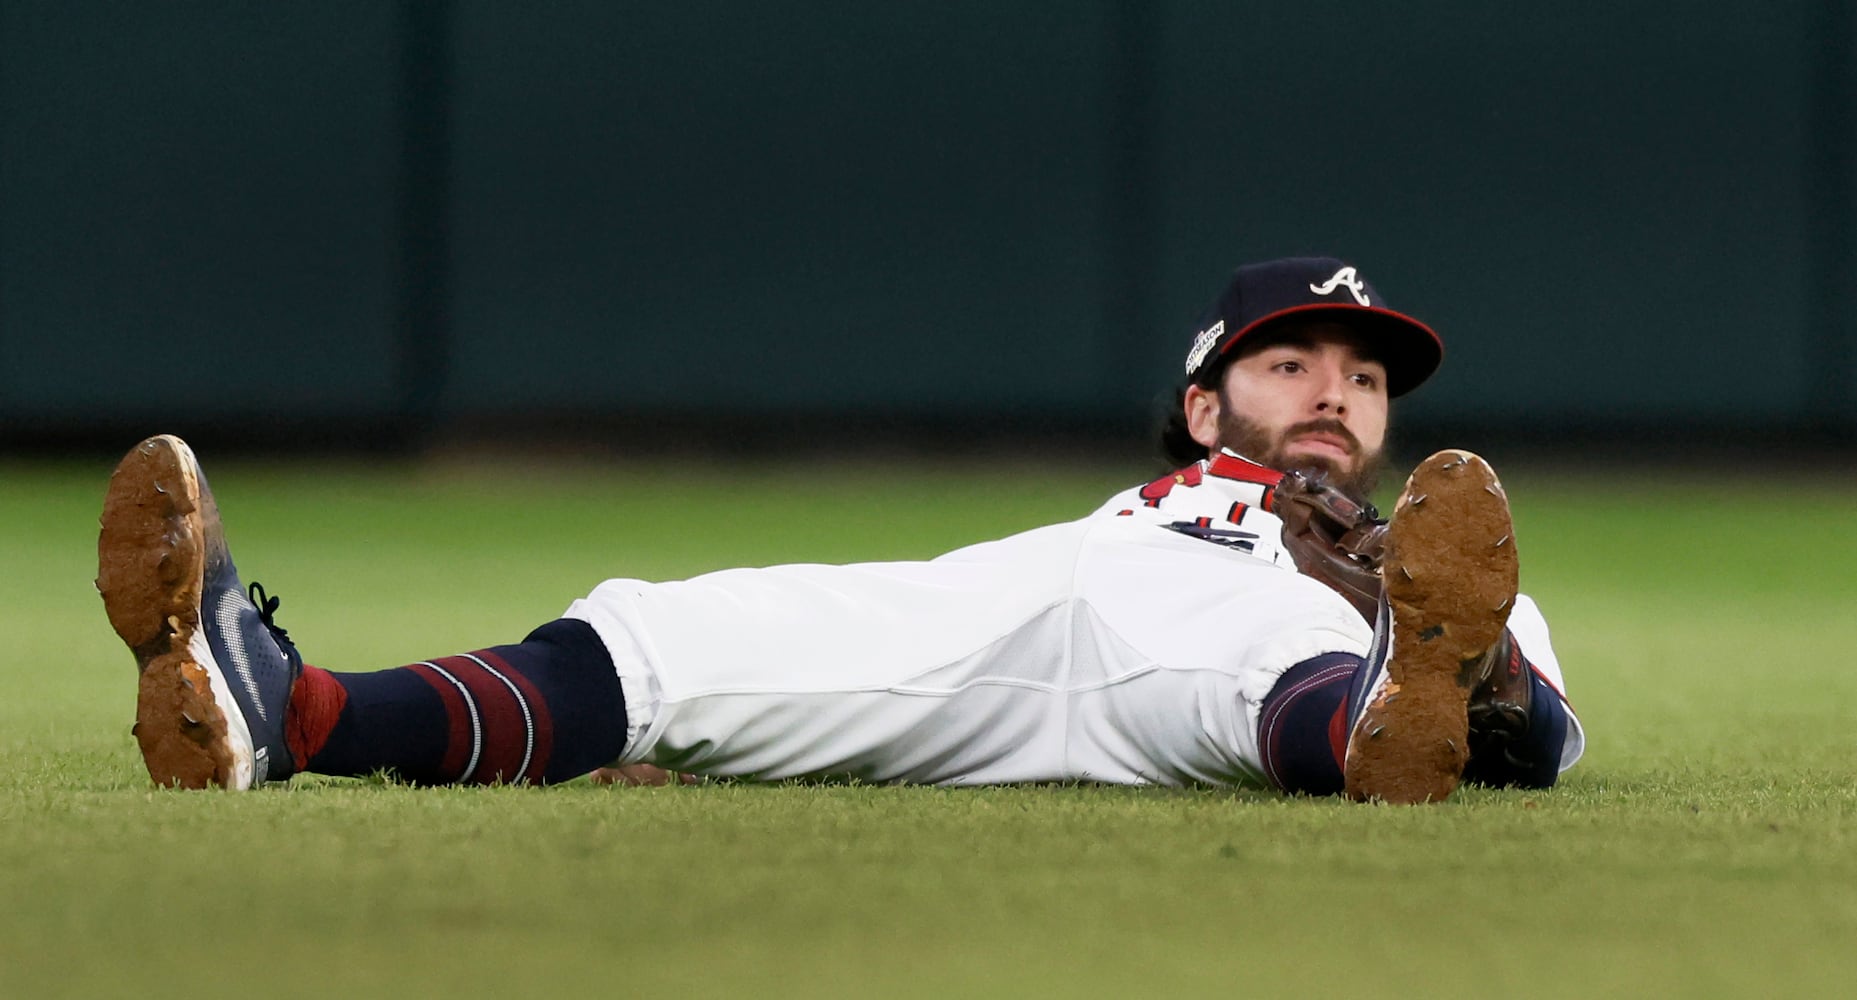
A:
1202, 416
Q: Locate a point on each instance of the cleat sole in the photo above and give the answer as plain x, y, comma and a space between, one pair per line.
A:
1451, 539
151, 562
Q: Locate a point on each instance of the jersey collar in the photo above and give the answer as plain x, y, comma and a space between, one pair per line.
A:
1229, 464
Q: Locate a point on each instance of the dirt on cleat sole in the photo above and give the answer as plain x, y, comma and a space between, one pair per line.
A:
1450, 573
151, 559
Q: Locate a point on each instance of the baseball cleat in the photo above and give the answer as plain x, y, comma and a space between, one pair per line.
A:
1450, 571
215, 671
1499, 707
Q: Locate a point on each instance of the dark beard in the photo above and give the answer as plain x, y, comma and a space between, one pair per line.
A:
1253, 442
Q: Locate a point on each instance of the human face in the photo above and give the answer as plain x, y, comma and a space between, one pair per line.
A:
1305, 398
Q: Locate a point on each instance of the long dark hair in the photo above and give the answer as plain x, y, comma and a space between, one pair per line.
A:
1177, 447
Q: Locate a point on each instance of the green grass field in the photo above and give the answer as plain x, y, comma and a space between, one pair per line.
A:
1707, 845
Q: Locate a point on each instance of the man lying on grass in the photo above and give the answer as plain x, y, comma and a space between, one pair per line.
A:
1168, 638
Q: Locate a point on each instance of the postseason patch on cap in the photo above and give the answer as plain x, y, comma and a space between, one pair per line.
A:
1203, 344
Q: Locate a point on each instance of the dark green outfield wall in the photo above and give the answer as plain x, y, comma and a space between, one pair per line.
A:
442, 215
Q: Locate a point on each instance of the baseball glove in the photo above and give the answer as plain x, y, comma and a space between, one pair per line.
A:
1334, 538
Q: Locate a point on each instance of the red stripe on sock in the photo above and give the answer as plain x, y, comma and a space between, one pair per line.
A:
457, 718
538, 709
1338, 733
316, 702
506, 734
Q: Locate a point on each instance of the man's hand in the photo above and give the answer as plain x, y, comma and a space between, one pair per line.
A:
642, 774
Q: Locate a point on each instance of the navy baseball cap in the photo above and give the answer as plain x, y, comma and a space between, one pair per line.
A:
1259, 295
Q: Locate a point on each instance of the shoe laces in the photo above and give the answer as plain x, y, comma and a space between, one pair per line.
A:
267, 607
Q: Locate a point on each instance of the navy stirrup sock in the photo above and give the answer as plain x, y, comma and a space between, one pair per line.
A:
1302, 729
542, 711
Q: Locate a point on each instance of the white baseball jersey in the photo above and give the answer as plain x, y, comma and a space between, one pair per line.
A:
1132, 646
1229, 490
